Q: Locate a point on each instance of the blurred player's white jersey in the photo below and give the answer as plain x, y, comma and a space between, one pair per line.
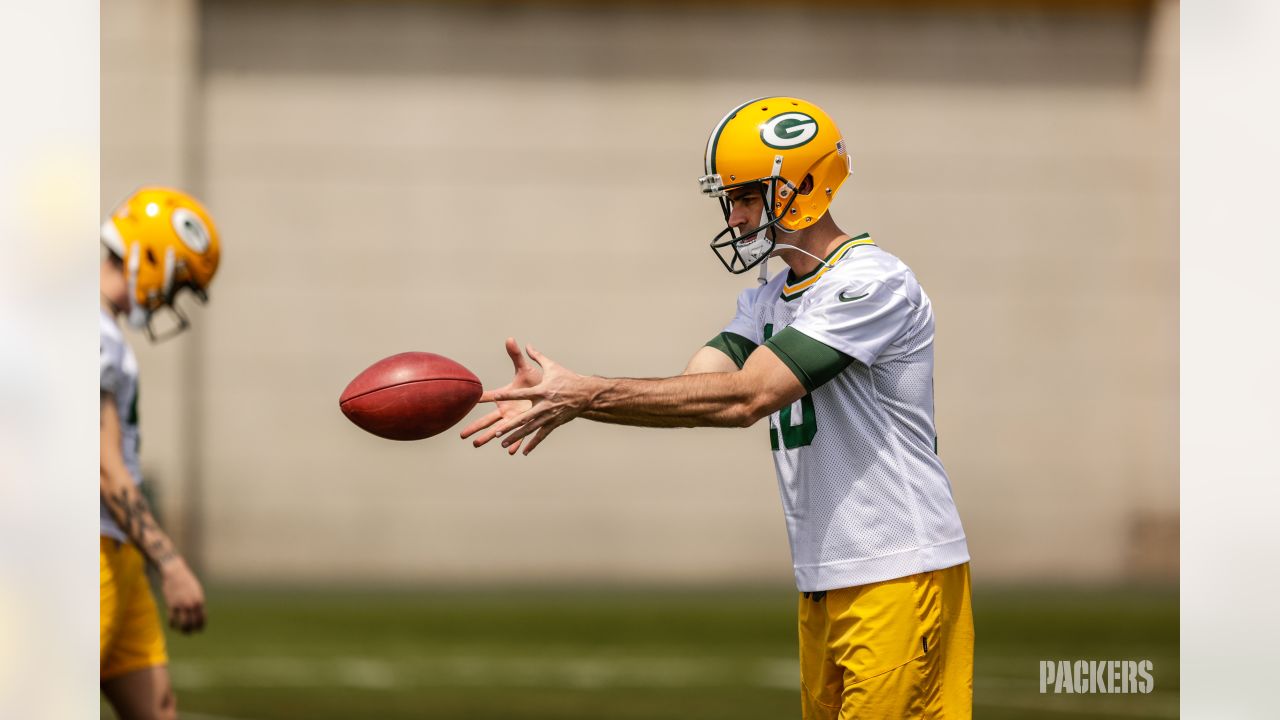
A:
119, 376
865, 495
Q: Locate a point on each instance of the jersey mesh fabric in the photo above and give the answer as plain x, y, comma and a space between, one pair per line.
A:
864, 494
118, 375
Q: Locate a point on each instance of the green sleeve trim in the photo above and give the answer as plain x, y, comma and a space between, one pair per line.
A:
813, 362
733, 345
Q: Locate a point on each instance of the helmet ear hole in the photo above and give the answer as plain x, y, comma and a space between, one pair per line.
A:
806, 187
151, 256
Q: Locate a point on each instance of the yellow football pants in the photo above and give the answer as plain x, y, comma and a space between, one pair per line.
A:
894, 650
130, 637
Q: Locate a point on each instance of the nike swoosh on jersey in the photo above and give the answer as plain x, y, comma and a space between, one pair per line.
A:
851, 299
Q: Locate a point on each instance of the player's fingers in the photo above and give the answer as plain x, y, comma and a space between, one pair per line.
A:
513, 351
532, 393
515, 447
522, 431
481, 424
197, 618
521, 425
488, 435
502, 394
525, 429
508, 424
483, 421
536, 440
484, 437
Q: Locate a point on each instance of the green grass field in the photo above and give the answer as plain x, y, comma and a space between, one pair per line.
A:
538, 654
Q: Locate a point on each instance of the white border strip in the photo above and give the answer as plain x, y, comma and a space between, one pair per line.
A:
1230, 262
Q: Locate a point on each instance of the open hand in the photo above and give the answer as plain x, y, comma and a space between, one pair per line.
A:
527, 375
558, 397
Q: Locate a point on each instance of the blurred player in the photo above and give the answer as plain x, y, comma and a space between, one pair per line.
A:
159, 242
838, 354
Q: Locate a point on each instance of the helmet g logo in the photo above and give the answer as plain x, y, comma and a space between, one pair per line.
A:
191, 230
788, 130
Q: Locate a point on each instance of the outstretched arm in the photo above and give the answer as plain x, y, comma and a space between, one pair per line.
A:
733, 398
705, 360
719, 399
183, 594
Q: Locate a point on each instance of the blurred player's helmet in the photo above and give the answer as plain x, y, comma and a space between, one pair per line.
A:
167, 243
773, 145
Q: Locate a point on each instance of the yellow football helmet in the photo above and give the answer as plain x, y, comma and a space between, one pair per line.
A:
792, 152
166, 242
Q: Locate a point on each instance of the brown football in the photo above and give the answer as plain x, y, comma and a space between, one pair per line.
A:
410, 396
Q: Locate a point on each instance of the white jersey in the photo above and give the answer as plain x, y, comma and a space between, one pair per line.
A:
119, 376
865, 496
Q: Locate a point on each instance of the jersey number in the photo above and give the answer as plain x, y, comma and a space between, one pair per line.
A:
793, 436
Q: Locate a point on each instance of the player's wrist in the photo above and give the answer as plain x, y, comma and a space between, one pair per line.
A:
170, 565
597, 390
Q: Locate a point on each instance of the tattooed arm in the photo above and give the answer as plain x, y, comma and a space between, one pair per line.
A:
182, 591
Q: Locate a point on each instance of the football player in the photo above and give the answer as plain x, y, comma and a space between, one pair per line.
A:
837, 352
158, 243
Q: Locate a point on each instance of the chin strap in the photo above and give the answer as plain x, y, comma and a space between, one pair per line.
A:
764, 266
806, 252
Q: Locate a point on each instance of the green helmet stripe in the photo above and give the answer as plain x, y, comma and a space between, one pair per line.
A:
715, 134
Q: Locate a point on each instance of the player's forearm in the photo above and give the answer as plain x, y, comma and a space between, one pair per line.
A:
133, 514
703, 400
